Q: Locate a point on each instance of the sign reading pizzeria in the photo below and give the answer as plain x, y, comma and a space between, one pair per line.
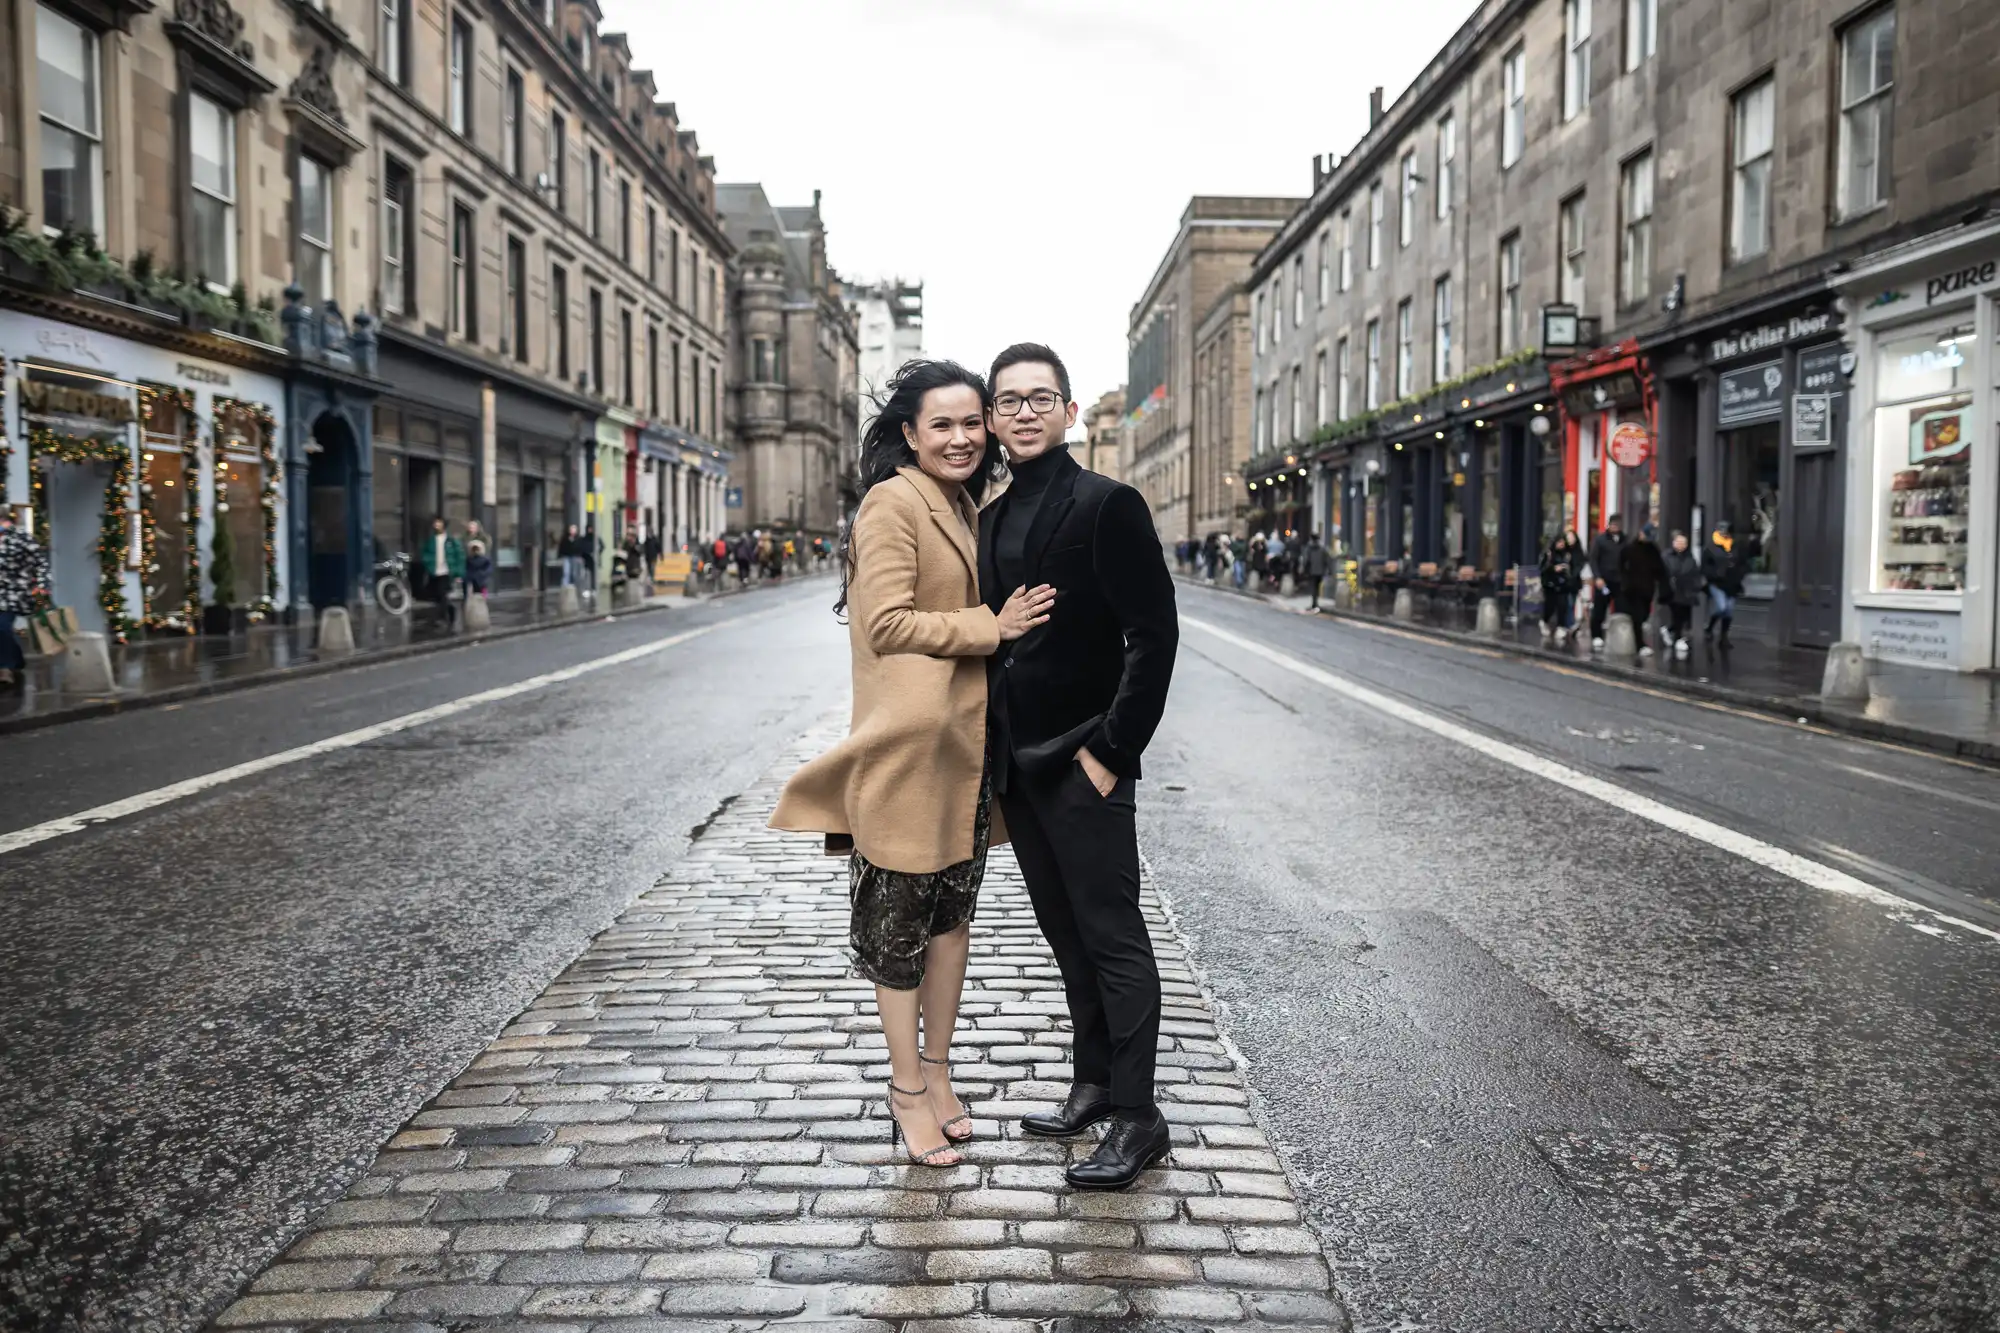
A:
1630, 445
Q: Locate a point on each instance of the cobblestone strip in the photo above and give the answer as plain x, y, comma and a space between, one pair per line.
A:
687, 1132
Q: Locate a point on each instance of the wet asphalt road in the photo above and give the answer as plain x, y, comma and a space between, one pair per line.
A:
1549, 1066
213, 1013
1542, 1065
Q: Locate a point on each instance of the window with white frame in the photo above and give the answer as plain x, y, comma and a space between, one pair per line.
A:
652, 244
559, 319
1343, 401
1441, 330
593, 191
1321, 398
1513, 106
1751, 131
398, 212
1346, 249
514, 124
1570, 251
1447, 159
464, 273
625, 218
212, 181
1406, 218
1278, 309
72, 133
1576, 57
1371, 386
1406, 349
1257, 319
1298, 404
1510, 293
558, 153
1257, 424
1642, 31
1867, 69
516, 297
314, 256
1635, 239
1298, 290
461, 77
1375, 225
390, 39
1325, 268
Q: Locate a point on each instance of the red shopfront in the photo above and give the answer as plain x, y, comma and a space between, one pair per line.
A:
1610, 417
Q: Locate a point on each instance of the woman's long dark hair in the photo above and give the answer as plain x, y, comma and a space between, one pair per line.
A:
884, 448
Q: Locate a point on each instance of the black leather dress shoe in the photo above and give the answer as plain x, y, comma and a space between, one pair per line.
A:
1135, 1141
1085, 1106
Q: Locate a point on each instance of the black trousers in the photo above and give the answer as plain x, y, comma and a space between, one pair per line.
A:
1079, 853
1316, 580
1600, 607
1639, 608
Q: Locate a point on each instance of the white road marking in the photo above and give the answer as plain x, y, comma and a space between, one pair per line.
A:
346, 740
1755, 850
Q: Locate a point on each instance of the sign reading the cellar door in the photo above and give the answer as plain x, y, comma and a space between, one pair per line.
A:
1754, 393
1812, 420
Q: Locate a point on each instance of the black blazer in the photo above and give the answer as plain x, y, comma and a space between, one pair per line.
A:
1096, 674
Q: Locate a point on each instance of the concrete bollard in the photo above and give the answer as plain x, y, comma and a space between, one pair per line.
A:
691, 586
1288, 586
1489, 617
336, 632
478, 615
1406, 605
1620, 638
567, 602
86, 664
1343, 596
1846, 673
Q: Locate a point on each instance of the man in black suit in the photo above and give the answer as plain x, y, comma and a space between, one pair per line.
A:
1072, 705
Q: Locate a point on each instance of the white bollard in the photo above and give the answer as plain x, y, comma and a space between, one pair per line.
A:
567, 602
1846, 673
1620, 638
478, 615
1287, 586
1406, 605
336, 632
1489, 617
86, 664
1343, 595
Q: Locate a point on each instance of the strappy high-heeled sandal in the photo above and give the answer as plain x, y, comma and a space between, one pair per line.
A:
896, 1131
965, 1120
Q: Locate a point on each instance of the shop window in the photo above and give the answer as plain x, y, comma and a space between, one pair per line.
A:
72, 138
172, 506
457, 481
1750, 183
1924, 437
314, 260
1867, 67
212, 182
1635, 246
389, 491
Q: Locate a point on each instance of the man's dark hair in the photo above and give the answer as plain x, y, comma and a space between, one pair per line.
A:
1021, 353
1619, 519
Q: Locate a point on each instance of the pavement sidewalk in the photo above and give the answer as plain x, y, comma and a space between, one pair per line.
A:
1951, 712
686, 1132
170, 669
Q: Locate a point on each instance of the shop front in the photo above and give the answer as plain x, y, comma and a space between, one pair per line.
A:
1924, 467
1607, 401
538, 438
145, 471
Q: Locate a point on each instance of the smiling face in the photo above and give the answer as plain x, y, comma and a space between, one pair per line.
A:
1029, 432
949, 434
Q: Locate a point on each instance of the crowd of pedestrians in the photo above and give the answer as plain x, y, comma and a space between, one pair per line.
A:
1258, 562
1632, 576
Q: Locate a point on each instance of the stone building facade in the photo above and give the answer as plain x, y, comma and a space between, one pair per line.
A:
1222, 401
1217, 238
1104, 434
1624, 222
888, 329
795, 386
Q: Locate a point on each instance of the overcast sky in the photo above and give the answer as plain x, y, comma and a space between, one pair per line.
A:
1028, 159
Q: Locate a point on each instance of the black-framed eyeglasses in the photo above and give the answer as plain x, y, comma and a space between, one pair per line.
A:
1044, 401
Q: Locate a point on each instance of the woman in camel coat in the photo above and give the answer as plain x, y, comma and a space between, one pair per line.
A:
908, 789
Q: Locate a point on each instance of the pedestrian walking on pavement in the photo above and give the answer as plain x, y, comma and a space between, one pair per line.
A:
1722, 568
1313, 565
910, 789
478, 566
24, 580
746, 553
1641, 572
1259, 555
1211, 547
1607, 549
1683, 590
1073, 707
1561, 575
570, 551
443, 562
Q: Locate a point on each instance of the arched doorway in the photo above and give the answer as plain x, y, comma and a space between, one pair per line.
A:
330, 491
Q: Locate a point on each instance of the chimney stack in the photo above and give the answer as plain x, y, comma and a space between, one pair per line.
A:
1374, 107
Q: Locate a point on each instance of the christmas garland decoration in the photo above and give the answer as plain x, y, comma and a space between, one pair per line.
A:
114, 531
267, 449
152, 397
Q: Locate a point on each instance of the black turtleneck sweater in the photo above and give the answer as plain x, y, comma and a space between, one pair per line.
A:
1019, 507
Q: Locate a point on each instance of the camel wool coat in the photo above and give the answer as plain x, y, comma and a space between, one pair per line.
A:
905, 783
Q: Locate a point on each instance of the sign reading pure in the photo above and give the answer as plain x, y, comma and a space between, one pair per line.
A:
60, 400
1742, 342
1968, 279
